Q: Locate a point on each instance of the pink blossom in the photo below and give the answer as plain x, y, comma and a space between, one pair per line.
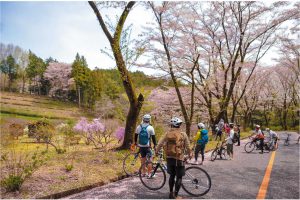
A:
82, 125
120, 132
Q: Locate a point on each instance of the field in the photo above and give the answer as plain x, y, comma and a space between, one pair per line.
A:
89, 165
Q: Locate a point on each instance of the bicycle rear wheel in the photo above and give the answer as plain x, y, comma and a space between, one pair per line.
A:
196, 181
154, 180
249, 147
286, 143
214, 155
224, 153
131, 164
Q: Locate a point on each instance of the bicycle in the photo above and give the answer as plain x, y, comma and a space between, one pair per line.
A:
250, 146
287, 140
219, 150
196, 181
131, 162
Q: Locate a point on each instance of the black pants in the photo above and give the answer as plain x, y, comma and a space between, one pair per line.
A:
176, 169
238, 139
219, 135
261, 145
199, 148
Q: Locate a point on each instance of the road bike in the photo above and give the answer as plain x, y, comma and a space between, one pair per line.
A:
131, 162
255, 144
220, 150
196, 181
287, 140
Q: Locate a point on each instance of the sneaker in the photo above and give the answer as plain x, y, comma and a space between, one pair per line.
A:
151, 176
171, 195
196, 162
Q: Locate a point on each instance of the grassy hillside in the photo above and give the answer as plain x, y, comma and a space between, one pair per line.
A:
36, 107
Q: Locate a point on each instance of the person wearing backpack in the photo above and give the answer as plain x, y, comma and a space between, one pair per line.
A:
144, 132
201, 139
176, 144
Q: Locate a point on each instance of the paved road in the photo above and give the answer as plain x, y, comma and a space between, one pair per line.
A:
235, 179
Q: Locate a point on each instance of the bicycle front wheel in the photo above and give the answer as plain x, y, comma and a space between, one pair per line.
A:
152, 175
131, 164
249, 147
214, 155
196, 181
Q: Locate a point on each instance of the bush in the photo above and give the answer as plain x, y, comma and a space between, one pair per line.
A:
16, 130
19, 167
69, 167
12, 183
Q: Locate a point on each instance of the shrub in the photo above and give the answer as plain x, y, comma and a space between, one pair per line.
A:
19, 167
96, 132
15, 130
69, 167
12, 182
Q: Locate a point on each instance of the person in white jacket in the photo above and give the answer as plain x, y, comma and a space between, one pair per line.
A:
229, 141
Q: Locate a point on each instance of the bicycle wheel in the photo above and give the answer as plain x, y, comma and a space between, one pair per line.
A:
196, 181
266, 148
214, 155
224, 153
249, 147
131, 164
154, 180
286, 143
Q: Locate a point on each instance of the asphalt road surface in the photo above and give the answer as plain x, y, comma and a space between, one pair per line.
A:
233, 179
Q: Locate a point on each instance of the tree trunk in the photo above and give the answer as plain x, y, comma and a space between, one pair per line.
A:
23, 83
135, 103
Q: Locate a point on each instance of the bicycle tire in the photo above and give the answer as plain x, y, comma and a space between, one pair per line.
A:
224, 153
191, 179
130, 164
266, 148
214, 155
286, 143
156, 182
249, 147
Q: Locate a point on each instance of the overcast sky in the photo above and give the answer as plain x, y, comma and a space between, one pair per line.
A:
61, 29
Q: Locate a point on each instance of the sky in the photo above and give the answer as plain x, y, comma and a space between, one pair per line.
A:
61, 29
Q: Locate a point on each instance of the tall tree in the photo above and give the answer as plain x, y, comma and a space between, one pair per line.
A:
35, 70
12, 69
80, 73
114, 40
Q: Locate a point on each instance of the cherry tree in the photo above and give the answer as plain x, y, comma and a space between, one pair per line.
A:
59, 75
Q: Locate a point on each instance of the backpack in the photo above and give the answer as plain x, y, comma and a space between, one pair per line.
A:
143, 136
203, 138
174, 145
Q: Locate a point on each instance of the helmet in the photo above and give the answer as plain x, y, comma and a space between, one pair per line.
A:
267, 129
146, 118
201, 125
257, 126
176, 122
231, 124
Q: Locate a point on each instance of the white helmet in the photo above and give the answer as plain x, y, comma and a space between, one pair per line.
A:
267, 129
176, 122
201, 125
257, 126
146, 118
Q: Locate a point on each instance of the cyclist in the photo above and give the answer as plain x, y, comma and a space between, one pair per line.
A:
273, 136
238, 135
177, 143
218, 132
144, 132
201, 139
229, 141
259, 136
